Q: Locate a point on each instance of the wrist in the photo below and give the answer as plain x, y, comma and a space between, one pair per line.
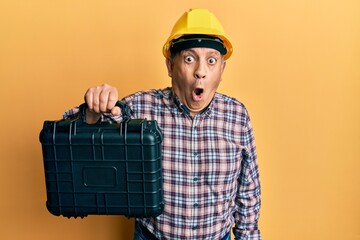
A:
92, 117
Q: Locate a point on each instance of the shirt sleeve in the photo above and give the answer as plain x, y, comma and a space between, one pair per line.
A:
248, 194
71, 113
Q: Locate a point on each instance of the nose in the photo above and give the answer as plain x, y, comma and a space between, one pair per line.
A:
200, 71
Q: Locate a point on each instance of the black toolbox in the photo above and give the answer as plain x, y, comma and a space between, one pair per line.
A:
103, 169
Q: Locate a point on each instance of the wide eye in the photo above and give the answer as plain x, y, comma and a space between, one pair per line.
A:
189, 59
212, 60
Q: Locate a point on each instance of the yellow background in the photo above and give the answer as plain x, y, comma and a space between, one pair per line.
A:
296, 66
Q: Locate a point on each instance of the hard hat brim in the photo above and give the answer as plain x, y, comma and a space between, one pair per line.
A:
226, 44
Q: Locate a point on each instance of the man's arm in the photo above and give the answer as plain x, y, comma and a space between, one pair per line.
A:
248, 195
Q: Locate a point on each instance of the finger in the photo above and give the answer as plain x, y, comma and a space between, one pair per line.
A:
103, 100
112, 99
116, 111
108, 98
88, 98
95, 99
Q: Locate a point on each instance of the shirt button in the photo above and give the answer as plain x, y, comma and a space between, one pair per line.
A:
195, 227
196, 205
195, 154
195, 179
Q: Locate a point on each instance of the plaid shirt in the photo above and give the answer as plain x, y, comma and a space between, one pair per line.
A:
210, 170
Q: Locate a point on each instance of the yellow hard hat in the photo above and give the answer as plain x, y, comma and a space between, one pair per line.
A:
198, 21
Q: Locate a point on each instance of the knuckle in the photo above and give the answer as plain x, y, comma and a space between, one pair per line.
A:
89, 92
112, 98
102, 101
96, 102
104, 86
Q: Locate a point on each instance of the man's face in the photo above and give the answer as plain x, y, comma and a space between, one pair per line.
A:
196, 74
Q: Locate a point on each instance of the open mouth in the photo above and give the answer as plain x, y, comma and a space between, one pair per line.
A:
197, 94
198, 91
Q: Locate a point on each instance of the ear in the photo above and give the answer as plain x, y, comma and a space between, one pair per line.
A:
169, 65
223, 65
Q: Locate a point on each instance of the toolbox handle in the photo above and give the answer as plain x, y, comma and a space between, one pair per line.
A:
125, 111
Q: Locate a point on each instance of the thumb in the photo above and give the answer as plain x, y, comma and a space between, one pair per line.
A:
116, 111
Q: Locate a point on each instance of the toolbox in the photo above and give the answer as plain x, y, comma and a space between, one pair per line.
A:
103, 168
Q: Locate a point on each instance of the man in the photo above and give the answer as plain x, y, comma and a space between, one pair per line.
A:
210, 169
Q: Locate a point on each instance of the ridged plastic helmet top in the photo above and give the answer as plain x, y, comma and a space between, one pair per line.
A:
198, 21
